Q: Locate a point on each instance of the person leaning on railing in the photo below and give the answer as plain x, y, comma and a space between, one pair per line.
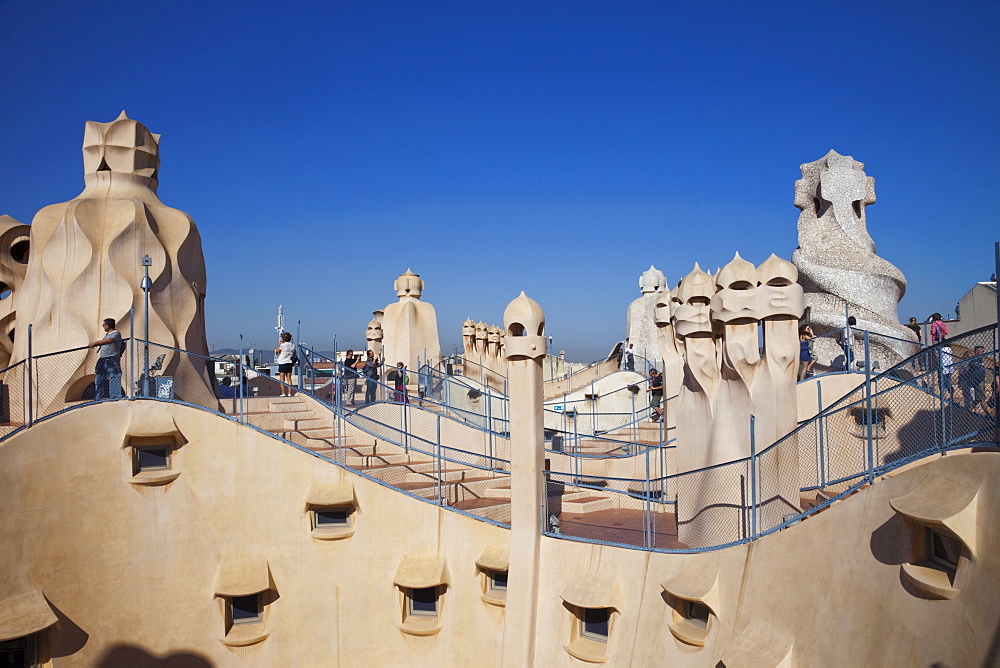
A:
108, 371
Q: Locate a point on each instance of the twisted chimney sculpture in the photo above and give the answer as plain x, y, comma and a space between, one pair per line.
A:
837, 263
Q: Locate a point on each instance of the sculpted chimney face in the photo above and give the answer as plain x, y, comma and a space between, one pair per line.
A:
493, 334
374, 331
781, 295
469, 329
693, 315
652, 280
663, 309
122, 146
738, 299
524, 326
409, 285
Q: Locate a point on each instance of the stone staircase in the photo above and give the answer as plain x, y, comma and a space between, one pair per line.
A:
306, 422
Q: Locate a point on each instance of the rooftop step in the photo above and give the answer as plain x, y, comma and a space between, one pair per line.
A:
372, 460
586, 502
299, 424
308, 441
283, 403
500, 491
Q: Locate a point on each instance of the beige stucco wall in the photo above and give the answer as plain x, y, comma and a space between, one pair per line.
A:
828, 588
978, 307
138, 566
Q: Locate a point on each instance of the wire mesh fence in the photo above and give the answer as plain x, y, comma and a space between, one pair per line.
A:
843, 351
14, 400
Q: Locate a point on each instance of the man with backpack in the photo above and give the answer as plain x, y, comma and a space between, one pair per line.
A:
108, 372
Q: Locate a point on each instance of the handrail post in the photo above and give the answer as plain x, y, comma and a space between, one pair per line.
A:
341, 438
489, 421
940, 374
447, 396
663, 418
576, 454
298, 340
593, 410
506, 405
440, 467
336, 381
648, 528
239, 384
131, 354
753, 480
406, 429
663, 473
635, 426
819, 422
31, 412
868, 410
147, 285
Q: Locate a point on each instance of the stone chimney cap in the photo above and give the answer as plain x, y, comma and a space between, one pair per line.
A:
652, 280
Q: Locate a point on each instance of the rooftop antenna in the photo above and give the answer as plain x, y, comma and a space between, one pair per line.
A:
281, 320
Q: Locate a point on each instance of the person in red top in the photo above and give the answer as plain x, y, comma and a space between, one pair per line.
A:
939, 330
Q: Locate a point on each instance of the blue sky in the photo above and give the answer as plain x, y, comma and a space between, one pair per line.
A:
554, 147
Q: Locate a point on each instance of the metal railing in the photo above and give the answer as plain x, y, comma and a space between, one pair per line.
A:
845, 351
938, 400
598, 489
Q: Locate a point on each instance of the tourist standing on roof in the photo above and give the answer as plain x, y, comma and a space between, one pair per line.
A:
655, 390
939, 329
370, 372
806, 359
972, 379
947, 367
398, 378
350, 386
629, 358
108, 372
847, 343
285, 354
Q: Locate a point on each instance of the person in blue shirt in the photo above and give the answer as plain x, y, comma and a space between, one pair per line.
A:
226, 390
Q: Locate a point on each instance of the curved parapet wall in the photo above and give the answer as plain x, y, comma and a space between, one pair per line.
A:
837, 264
240, 503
